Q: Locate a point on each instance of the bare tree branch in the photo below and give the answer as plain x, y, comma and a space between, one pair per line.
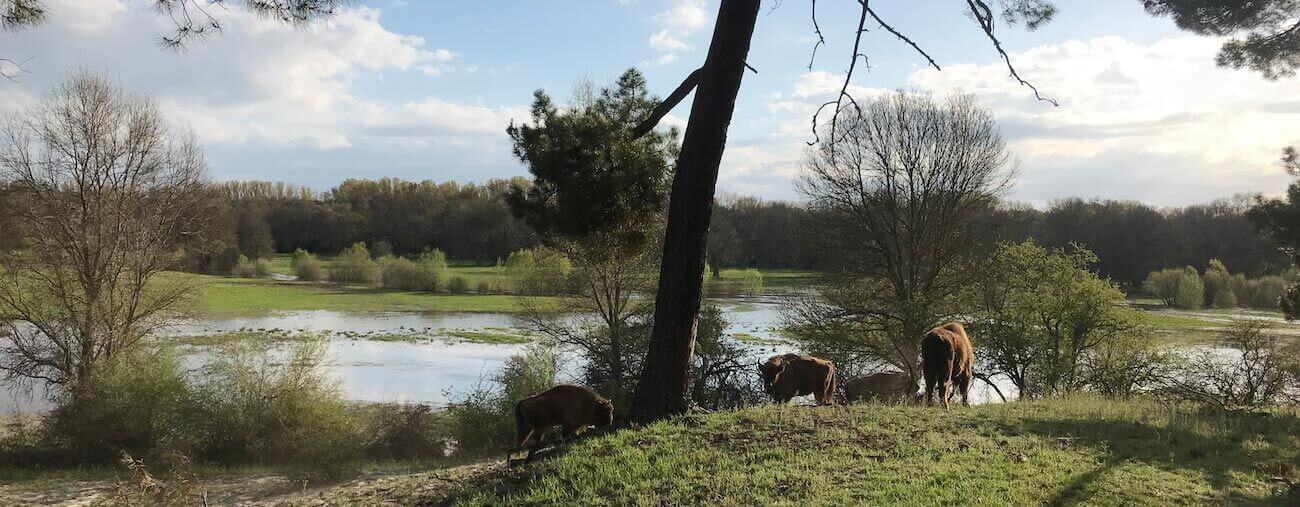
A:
904, 38
984, 17
667, 105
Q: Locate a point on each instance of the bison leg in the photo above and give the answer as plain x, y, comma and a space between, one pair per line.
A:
929, 389
945, 392
963, 386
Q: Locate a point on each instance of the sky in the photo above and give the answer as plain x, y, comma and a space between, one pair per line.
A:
418, 89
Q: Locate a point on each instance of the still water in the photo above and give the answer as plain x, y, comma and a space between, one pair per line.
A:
427, 371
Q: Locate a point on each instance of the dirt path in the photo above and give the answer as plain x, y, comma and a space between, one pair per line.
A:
432, 487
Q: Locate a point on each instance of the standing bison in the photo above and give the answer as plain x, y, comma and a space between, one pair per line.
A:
789, 375
572, 408
946, 357
888, 387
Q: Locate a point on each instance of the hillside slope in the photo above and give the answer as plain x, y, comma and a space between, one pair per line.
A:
1081, 450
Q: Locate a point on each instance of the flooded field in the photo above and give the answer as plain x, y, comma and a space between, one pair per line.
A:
421, 357
428, 364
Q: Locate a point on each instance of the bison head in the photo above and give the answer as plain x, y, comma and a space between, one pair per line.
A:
604, 414
769, 370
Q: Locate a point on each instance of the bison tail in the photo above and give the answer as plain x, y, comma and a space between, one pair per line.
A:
830, 389
521, 427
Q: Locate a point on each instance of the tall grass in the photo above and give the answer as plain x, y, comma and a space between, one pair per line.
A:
738, 282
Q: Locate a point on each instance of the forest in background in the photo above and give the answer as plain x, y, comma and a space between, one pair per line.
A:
472, 222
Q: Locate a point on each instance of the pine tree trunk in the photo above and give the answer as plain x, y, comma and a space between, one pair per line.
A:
664, 386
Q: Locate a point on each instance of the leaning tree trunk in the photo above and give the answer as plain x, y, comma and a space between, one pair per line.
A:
664, 386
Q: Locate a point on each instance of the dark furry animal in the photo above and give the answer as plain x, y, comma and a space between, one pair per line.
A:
947, 358
888, 387
570, 407
789, 375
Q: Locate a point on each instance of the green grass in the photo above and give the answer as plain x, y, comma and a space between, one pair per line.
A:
1078, 451
783, 278
1167, 321
491, 335
234, 296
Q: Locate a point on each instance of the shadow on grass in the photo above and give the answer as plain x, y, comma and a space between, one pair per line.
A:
1217, 452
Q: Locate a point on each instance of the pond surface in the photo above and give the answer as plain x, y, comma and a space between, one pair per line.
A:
432, 370
435, 370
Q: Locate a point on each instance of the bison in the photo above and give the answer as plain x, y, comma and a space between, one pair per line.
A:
572, 408
946, 357
889, 387
789, 375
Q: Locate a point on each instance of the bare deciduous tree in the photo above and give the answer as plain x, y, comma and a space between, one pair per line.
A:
111, 198
899, 193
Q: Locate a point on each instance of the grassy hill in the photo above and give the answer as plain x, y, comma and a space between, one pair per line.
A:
1081, 450
1078, 451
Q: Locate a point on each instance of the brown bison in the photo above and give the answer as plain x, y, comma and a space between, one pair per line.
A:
572, 408
889, 387
946, 357
789, 375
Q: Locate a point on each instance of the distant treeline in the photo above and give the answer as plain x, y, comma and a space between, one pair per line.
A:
467, 222
471, 222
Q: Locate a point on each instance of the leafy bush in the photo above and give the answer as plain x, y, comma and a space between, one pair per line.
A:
458, 285
260, 408
405, 274
307, 267
244, 268
741, 282
354, 265
436, 263
262, 268
1218, 285
1260, 370
138, 402
1263, 292
482, 421
405, 431
483, 287
1052, 326
1175, 287
538, 271
1191, 291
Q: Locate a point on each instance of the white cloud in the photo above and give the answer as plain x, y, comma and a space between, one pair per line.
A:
1155, 122
681, 20
85, 15
260, 89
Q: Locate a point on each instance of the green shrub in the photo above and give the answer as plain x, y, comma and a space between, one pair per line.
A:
262, 268
1218, 285
354, 265
538, 271
405, 431
405, 274
244, 268
1191, 291
458, 285
307, 267
741, 282
266, 409
137, 402
483, 287
482, 421
1176, 287
1263, 292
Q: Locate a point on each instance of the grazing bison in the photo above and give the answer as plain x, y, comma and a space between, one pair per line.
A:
789, 375
946, 357
572, 408
889, 387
